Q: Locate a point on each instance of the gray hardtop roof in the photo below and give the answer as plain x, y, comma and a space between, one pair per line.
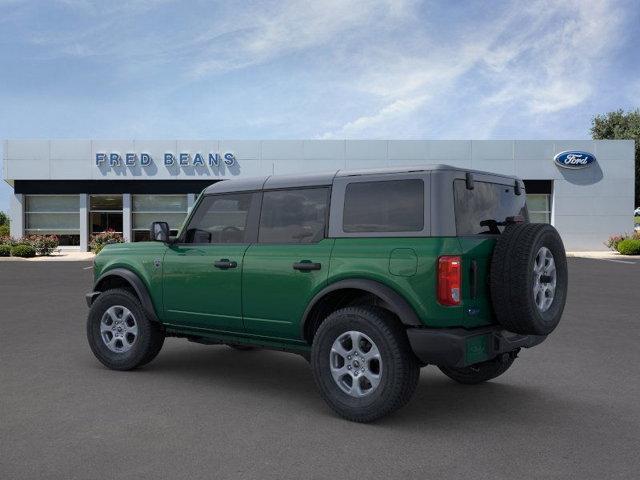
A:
325, 178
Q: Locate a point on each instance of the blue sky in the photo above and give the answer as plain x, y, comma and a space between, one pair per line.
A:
322, 69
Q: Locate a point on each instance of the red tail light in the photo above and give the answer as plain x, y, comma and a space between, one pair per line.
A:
449, 280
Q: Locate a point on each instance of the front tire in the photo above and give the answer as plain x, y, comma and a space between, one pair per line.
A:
363, 364
119, 332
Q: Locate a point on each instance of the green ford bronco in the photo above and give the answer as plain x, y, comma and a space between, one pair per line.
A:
370, 275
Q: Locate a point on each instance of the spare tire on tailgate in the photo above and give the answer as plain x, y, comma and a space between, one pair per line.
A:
528, 278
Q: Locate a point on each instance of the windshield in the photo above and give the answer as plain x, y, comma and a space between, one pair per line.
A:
484, 209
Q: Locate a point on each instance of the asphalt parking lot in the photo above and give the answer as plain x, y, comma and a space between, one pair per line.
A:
569, 408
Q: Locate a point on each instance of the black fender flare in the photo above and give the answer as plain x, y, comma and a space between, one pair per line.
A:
136, 283
396, 303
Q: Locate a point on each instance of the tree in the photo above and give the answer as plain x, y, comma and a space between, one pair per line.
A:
620, 125
4, 224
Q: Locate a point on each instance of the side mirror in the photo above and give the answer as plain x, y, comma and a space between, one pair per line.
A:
159, 232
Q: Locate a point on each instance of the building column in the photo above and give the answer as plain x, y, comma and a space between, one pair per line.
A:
126, 217
17, 215
552, 204
191, 199
84, 222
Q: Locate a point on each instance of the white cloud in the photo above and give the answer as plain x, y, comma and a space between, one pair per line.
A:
542, 58
392, 67
292, 26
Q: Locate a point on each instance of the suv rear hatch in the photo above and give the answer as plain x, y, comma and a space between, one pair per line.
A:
482, 210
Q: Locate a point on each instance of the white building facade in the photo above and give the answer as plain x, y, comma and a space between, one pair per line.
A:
76, 188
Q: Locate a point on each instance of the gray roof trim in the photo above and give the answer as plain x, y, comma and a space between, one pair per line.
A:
417, 168
327, 178
304, 180
237, 185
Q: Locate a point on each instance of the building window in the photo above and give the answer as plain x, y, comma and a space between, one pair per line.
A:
106, 213
539, 206
157, 208
53, 215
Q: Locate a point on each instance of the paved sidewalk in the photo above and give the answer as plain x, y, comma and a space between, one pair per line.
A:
603, 255
62, 255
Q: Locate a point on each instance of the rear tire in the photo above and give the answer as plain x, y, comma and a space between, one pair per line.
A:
363, 364
481, 372
120, 334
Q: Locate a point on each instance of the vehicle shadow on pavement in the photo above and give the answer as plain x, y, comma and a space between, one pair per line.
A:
438, 401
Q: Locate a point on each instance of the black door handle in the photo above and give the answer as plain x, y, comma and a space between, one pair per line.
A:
306, 266
225, 263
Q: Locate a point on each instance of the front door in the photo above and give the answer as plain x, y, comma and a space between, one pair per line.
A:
288, 264
203, 269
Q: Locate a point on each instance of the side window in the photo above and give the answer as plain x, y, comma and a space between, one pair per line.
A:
384, 206
220, 219
293, 216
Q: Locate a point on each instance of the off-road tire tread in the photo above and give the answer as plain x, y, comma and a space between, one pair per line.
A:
510, 279
406, 366
150, 337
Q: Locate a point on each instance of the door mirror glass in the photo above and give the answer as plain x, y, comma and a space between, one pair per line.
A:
160, 232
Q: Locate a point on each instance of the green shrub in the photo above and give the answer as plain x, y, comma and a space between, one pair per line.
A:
44, 244
4, 230
101, 240
23, 250
5, 250
613, 241
630, 246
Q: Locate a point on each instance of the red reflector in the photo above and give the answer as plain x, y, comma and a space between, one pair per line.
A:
449, 280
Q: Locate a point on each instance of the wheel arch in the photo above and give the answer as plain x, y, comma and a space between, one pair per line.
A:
385, 296
124, 278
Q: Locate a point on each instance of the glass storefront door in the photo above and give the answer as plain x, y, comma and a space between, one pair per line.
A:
106, 213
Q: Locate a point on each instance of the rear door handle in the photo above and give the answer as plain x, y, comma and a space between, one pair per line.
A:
306, 265
225, 263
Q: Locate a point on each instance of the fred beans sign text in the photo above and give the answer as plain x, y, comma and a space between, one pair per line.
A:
212, 159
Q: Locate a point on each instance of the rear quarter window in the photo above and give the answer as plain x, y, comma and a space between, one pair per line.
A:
486, 202
384, 206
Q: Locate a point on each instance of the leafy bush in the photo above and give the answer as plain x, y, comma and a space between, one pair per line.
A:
629, 246
101, 240
44, 244
5, 250
4, 230
23, 250
613, 241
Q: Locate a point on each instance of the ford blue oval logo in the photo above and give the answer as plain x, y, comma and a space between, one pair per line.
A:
574, 159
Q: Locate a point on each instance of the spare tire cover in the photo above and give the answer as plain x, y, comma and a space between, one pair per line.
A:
528, 278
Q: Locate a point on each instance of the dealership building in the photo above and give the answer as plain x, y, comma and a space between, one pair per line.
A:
76, 188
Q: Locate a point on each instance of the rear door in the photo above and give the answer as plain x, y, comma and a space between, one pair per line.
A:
289, 263
203, 270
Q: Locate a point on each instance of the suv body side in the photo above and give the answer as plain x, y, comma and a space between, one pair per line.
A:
275, 297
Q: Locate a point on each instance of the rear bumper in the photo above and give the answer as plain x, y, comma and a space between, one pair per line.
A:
459, 347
